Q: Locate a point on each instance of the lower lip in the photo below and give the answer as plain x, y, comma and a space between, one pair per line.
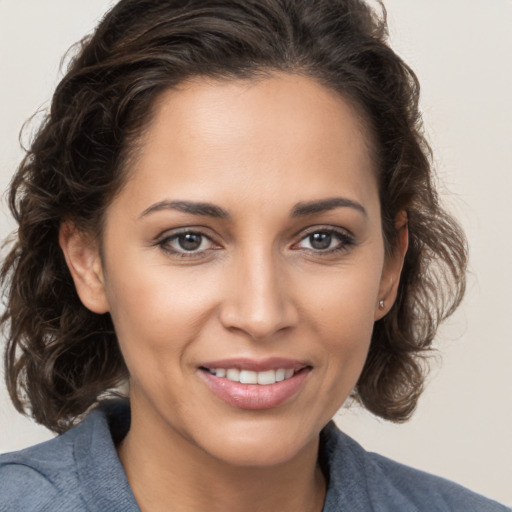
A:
255, 396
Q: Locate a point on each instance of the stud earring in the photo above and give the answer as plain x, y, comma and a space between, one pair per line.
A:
381, 304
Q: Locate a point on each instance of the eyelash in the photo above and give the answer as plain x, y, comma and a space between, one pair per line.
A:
345, 239
164, 243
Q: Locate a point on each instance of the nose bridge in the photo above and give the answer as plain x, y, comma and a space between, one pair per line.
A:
258, 301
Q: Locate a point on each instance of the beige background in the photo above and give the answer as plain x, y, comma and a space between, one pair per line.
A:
462, 52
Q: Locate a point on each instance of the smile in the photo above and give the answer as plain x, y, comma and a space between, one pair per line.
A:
264, 378
246, 384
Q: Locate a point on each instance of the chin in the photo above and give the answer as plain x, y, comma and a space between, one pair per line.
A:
242, 453
257, 443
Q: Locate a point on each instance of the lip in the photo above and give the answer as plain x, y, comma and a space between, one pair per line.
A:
255, 365
255, 396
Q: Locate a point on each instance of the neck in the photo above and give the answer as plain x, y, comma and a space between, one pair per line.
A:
167, 472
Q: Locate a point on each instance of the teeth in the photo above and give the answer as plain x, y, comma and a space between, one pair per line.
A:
268, 377
249, 377
232, 374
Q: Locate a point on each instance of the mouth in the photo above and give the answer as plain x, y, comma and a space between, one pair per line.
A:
248, 384
263, 378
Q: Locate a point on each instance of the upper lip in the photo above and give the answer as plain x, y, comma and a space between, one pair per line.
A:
256, 365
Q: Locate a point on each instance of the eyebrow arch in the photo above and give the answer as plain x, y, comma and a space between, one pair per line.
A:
204, 209
324, 205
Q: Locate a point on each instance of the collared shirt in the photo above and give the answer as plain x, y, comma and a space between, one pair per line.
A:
81, 471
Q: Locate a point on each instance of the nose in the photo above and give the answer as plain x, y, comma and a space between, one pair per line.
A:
259, 298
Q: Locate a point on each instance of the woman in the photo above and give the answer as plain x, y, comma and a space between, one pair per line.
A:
229, 207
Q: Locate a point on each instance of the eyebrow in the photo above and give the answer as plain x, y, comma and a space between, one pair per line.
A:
211, 210
204, 209
324, 205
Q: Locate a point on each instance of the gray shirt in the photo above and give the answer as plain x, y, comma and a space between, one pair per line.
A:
80, 471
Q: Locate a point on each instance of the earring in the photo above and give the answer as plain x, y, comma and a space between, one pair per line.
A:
381, 304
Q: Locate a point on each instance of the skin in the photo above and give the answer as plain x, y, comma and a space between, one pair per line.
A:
256, 288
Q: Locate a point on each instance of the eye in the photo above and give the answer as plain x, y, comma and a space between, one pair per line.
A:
186, 243
325, 240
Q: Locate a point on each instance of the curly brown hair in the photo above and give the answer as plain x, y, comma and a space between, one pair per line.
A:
60, 357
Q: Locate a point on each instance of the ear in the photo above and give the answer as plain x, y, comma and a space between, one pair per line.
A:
82, 256
392, 268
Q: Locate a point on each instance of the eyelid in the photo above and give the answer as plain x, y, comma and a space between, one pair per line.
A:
347, 239
164, 238
324, 228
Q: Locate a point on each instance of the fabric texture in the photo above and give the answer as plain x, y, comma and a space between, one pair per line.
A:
80, 471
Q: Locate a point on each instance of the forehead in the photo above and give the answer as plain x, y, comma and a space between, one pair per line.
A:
215, 109
284, 133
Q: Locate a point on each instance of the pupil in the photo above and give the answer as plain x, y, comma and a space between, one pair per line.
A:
320, 240
190, 241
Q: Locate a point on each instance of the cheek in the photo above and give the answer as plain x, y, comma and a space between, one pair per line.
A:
159, 309
346, 326
344, 300
341, 307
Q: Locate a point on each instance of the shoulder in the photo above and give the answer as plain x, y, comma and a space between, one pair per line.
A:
381, 484
42, 477
426, 490
78, 470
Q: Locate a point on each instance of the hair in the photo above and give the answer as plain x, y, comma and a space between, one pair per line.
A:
61, 358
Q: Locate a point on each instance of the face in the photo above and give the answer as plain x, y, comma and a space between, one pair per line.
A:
243, 265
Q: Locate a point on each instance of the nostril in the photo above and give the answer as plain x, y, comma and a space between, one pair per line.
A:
256, 300
258, 324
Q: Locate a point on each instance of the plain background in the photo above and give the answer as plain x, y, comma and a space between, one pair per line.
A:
462, 53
